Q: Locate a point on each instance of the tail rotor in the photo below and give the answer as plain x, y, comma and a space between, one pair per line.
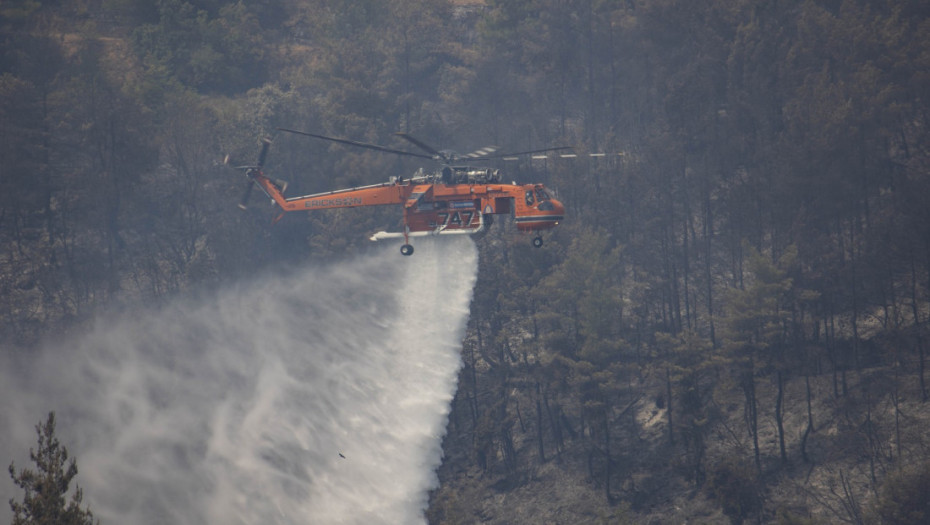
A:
244, 202
252, 171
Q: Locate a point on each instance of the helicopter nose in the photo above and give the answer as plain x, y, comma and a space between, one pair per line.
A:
555, 211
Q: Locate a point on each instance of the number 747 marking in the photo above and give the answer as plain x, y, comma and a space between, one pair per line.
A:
456, 219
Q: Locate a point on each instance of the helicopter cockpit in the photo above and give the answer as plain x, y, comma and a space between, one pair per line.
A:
541, 196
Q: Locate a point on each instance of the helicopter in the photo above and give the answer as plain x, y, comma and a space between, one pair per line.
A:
458, 199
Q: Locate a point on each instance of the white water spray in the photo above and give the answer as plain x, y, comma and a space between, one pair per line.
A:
317, 397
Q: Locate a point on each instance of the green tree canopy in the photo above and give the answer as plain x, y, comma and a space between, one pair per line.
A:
46, 487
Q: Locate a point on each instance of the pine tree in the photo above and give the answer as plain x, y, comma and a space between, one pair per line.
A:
46, 487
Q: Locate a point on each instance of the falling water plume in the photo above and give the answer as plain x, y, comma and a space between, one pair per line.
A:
317, 396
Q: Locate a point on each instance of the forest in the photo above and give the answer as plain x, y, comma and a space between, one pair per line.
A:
731, 325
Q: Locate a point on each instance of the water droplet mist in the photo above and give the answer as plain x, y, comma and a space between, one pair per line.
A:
319, 396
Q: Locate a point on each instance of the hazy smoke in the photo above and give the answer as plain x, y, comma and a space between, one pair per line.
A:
239, 409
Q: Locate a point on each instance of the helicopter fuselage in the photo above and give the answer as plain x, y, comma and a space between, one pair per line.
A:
433, 207
461, 198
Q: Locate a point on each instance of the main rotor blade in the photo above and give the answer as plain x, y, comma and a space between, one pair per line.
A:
499, 155
423, 146
359, 144
481, 153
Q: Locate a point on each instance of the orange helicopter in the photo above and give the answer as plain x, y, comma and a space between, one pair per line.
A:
460, 199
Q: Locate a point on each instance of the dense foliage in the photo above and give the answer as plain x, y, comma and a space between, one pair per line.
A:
45, 487
750, 264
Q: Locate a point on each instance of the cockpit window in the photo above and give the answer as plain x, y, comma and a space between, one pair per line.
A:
529, 198
541, 195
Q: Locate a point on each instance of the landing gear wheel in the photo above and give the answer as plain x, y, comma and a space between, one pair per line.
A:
406, 249
537, 242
